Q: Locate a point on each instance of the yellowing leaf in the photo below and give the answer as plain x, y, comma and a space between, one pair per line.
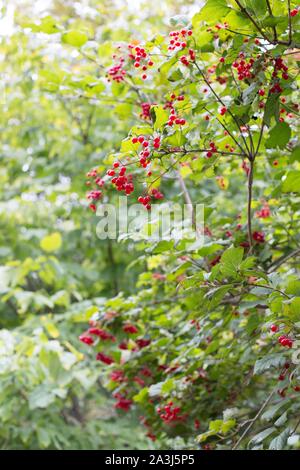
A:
75, 38
51, 242
185, 171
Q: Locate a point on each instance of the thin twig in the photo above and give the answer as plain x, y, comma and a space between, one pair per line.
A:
290, 21
266, 402
271, 15
249, 204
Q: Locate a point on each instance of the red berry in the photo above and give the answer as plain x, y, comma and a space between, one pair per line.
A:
105, 359
131, 329
274, 328
86, 339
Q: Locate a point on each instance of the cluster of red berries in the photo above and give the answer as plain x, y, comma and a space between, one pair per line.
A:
122, 182
146, 144
145, 114
117, 72
279, 66
117, 376
186, 60
285, 341
173, 117
140, 58
96, 194
169, 413
213, 149
130, 329
122, 402
87, 336
243, 67
264, 212
145, 200
259, 237
294, 12
177, 39
108, 360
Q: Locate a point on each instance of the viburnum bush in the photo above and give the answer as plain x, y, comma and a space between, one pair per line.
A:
206, 348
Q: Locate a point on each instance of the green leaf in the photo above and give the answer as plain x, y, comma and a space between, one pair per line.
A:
279, 442
270, 361
271, 108
160, 116
74, 38
259, 7
47, 25
295, 155
40, 398
175, 75
272, 411
261, 436
231, 260
168, 386
279, 136
291, 184
211, 12
43, 437
142, 396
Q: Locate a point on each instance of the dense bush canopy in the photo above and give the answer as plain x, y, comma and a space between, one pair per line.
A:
193, 341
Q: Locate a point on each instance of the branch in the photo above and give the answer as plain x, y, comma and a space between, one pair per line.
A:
255, 418
272, 288
249, 205
282, 260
